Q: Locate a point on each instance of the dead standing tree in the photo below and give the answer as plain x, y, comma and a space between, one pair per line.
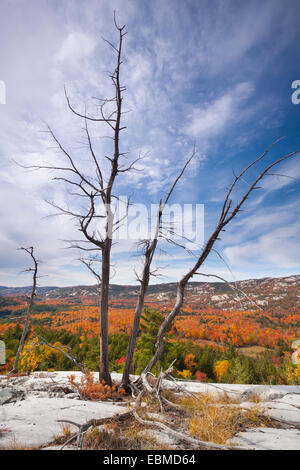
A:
34, 270
228, 212
97, 190
148, 254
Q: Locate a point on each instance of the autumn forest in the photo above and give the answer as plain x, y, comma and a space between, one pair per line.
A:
228, 344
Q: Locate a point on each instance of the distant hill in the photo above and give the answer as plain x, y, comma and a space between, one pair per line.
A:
266, 293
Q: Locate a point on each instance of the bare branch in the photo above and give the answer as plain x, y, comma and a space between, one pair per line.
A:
84, 116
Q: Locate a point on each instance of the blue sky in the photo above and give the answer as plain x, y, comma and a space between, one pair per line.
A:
214, 73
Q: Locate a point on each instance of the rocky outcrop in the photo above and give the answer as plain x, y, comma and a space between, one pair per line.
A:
31, 406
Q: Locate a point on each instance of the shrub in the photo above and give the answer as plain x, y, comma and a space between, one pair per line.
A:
221, 369
292, 374
90, 389
186, 374
189, 361
201, 376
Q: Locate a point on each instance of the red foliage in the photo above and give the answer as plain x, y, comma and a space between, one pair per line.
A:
276, 361
121, 360
201, 376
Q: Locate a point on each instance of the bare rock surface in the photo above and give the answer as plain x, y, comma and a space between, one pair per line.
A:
285, 410
242, 391
6, 395
58, 448
268, 439
33, 422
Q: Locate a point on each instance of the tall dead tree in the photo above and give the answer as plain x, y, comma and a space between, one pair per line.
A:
34, 270
148, 254
228, 213
97, 190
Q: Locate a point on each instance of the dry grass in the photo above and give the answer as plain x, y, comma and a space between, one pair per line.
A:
216, 419
208, 417
66, 430
253, 351
63, 436
15, 445
129, 436
254, 398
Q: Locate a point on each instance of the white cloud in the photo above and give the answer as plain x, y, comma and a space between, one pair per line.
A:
274, 238
279, 248
168, 52
75, 47
215, 117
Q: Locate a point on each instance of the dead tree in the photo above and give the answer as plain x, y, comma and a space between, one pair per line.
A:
34, 270
148, 254
97, 190
228, 212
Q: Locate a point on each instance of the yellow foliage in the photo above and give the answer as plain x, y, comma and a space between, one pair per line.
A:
33, 353
29, 360
186, 374
292, 374
221, 369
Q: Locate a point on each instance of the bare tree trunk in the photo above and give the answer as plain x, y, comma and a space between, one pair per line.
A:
150, 248
104, 352
95, 188
135, 330
30, 251
165, 326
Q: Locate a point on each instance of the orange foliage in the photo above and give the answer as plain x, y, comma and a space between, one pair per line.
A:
94, 390
189, 361
212, 327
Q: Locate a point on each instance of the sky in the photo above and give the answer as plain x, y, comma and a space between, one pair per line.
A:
214, 74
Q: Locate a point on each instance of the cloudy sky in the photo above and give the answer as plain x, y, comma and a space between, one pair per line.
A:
214, 73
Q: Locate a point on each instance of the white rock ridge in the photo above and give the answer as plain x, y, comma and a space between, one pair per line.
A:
31, 405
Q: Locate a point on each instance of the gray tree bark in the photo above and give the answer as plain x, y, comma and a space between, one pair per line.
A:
30, 251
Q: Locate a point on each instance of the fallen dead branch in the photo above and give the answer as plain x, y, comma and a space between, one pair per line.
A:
68, 354
145, 390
